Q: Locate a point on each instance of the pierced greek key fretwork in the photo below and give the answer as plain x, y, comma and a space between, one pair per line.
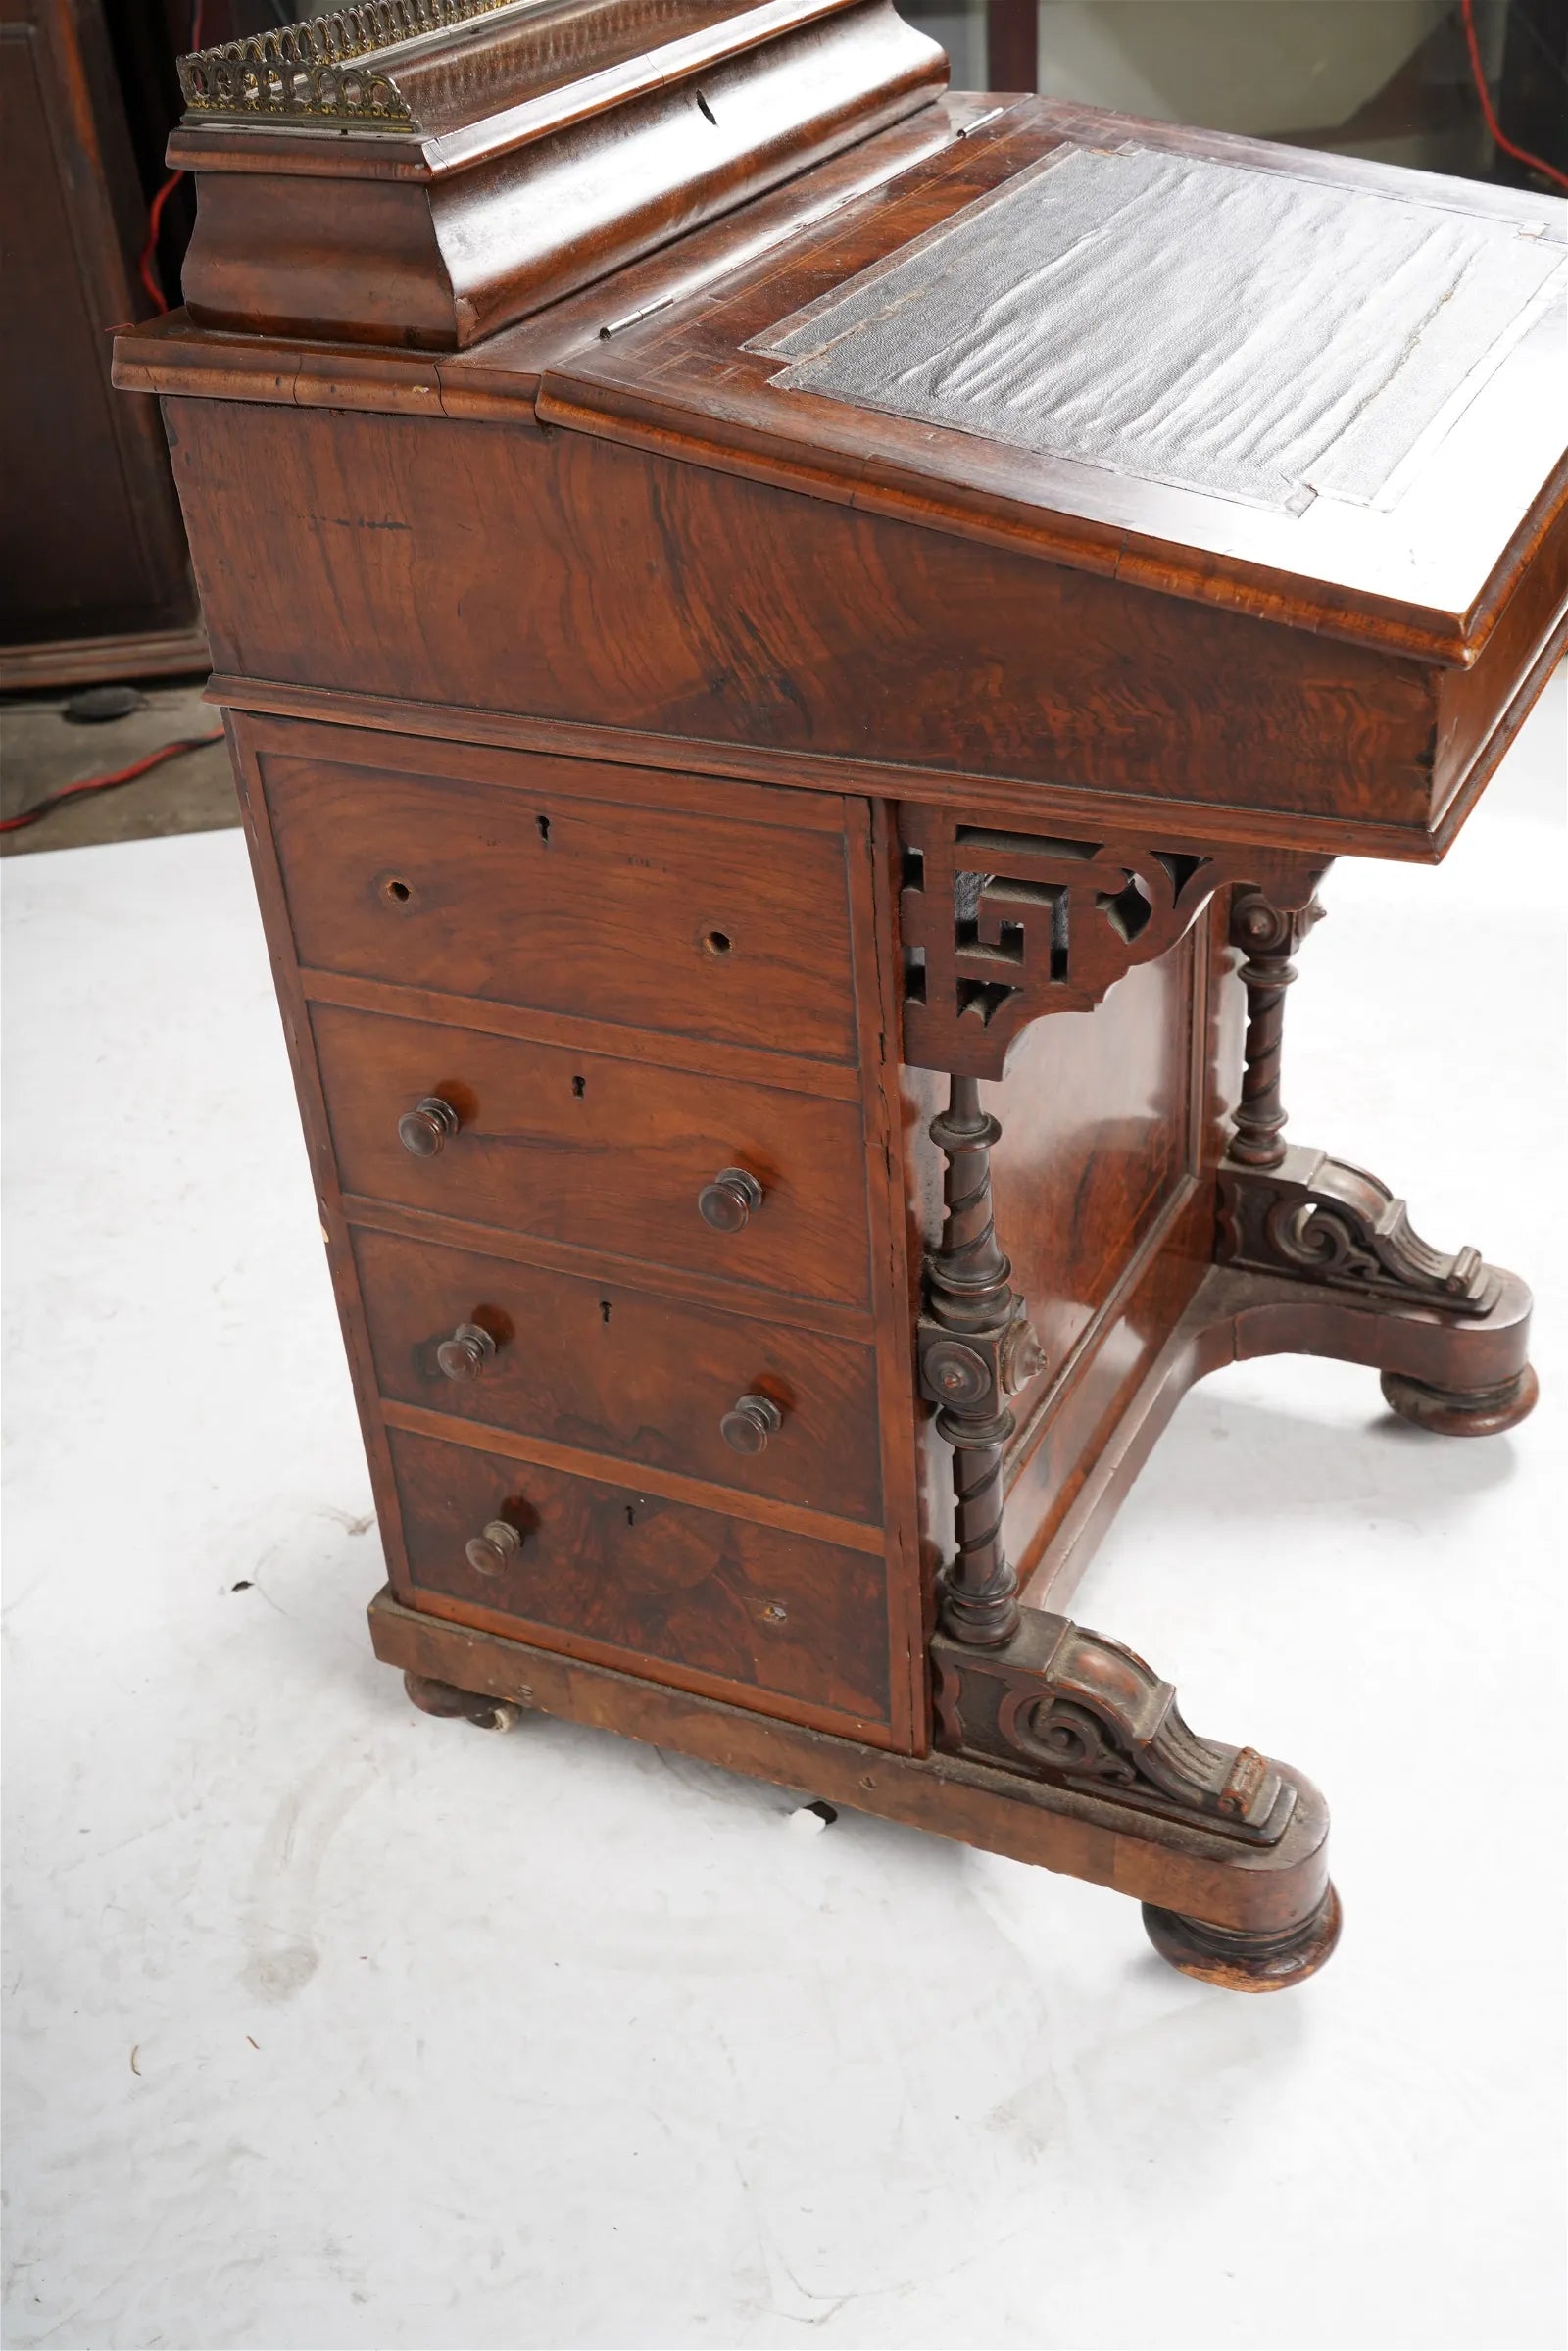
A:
1000, 927
1065, 1705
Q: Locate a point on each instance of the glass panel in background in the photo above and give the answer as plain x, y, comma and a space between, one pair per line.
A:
1391, 79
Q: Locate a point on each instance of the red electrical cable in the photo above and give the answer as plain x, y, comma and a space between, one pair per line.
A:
106, 783
1521, 155
147, 268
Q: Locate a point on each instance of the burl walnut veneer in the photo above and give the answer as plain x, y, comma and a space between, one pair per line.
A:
797, 651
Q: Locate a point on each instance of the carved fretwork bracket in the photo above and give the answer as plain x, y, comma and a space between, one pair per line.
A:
1001, 927
1069, 1708
1323, 1221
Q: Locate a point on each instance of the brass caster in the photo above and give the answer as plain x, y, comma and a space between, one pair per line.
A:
1463, 1411
1237, 1961
440, 1697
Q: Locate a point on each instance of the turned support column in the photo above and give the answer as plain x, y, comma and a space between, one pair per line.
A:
977, 1348
1268, 936
1291, 1211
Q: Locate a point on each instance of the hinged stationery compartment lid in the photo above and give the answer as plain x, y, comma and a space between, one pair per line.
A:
422, 173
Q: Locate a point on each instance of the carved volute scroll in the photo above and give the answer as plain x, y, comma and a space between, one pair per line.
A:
1288, 1210
1324, 1221
1065, 1706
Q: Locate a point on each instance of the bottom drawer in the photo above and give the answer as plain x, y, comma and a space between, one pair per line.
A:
746, 1604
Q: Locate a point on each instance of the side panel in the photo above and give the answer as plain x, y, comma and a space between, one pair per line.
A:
571, 582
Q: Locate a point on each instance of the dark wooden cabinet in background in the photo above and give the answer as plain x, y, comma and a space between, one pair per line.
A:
788, 749
94, 578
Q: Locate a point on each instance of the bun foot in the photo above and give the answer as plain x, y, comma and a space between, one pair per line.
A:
1463, 1411
1241, 1961
440, 1697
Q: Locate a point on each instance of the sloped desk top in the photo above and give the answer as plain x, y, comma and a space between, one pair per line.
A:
1324, 391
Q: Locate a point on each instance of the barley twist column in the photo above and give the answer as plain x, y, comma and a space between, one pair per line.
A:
1268, 936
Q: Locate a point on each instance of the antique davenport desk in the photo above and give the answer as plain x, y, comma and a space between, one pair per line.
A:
796, 648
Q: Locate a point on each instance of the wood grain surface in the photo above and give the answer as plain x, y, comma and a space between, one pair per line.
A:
608, 1154
538, 896
377, 555
598, 1364
630, 1571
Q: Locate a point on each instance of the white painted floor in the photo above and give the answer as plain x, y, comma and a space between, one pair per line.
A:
332, 2024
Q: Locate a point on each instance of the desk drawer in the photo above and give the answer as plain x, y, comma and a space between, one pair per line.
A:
532, 895
747, 1604
615, 1371
603, 1153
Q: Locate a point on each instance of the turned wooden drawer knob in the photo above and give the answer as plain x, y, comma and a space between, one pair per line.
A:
494, 1548
466, 1354
430, 1125
729, 1199
749, 1424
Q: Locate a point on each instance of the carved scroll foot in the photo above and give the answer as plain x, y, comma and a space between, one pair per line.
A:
1069, 1708
1449, 1332
1463, 1411
443, 1698
1241, 1962
1319, 1219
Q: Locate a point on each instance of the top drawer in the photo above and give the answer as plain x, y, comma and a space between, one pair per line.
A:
528, 893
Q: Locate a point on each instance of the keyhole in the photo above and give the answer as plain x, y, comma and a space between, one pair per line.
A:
604, 1309
543, 822
579, 1087
631, 1516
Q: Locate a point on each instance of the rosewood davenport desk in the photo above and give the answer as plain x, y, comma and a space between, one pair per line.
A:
796, 647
